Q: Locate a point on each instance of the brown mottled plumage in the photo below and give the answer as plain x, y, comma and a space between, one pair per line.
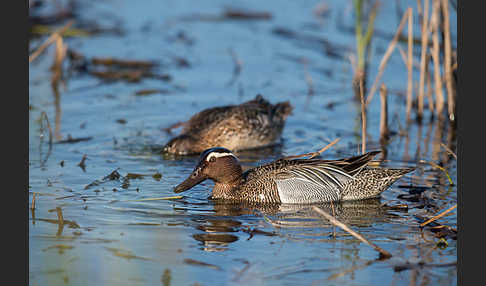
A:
297, 181
252, 124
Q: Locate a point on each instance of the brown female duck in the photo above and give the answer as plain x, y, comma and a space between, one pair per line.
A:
252, 124
299, 181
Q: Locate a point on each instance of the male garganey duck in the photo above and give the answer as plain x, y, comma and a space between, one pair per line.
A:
299, 181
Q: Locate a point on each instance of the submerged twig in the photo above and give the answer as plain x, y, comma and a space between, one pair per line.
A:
383, 253
438, 216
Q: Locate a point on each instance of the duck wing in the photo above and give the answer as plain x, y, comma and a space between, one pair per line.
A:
314, 180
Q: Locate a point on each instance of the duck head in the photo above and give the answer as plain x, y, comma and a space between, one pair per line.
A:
180, 145
218, 164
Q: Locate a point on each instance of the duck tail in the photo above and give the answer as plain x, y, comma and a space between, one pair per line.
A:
371, 182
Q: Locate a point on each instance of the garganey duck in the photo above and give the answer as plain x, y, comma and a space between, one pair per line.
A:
252, 124
297, 181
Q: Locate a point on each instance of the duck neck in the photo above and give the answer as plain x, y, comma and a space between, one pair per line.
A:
228, 182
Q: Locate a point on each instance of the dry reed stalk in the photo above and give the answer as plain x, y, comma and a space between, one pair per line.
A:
420, 12
440, 168
59, 215
32, 207
325, 148
439, 96
438, 216
314, 154
448, 150
60, 55
447, 60
425, 42
383, 253
363, 117
387, 55
429, 84
57, 117
52, 38
410, 65
383, 114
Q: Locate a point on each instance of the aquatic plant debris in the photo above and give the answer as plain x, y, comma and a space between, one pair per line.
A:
125, 253
156, 199
114, 69
440, 168
191, 261
438, 216
383, 253
52, 38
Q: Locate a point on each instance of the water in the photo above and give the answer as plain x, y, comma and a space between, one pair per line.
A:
116, 240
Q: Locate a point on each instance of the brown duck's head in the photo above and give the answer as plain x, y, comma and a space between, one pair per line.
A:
180, 145
218, 164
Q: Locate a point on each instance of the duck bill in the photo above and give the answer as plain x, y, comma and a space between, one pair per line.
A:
189, 183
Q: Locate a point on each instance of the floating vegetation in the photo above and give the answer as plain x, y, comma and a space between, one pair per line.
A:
191, 261
421, 265
60, 247
71, 140
113, 69
125, 253
82, 163
125, 180
145, 92
156, 199
230, 14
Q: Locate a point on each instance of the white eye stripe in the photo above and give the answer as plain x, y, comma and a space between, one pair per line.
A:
218, 155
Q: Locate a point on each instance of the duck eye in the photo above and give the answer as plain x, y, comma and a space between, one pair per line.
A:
212, 159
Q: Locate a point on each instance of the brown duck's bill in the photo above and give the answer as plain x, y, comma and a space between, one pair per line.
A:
189, 183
